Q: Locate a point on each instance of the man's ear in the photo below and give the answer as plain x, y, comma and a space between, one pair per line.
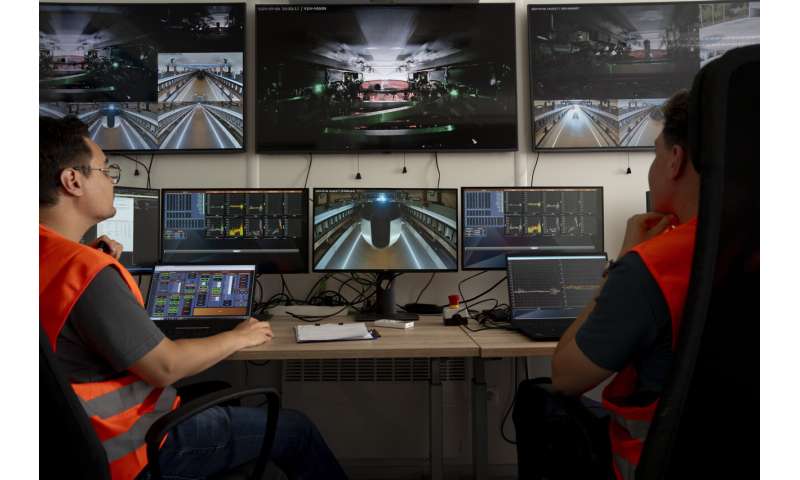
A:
72, 182
677, 161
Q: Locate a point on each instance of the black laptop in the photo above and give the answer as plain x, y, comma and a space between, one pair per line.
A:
200, 300
547, 293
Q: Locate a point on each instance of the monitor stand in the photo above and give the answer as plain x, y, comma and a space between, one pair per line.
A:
384, 302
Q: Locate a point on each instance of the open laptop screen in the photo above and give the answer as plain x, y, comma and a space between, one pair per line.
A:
563, 285
210, 291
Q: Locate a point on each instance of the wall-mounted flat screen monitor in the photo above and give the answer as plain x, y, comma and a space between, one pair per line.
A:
267, 227
155, 77
385, 230
338, 78
500, 221
600, 73
135, 225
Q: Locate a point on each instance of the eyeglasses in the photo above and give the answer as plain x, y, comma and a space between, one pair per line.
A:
112, 171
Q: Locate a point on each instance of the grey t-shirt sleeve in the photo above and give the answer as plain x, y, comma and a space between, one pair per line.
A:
627, 318
110, 321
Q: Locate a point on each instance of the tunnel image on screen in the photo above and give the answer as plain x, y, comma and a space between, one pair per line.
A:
726, 26
201, 100
600, 73
385, 229
377, 77
266, 227
89, 52
500, 221
192, 99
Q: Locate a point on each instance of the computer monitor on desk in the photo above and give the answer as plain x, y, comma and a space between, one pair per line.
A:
267, 227
135, 226
385, 231
500, 221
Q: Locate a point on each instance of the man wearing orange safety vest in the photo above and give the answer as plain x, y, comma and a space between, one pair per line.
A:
118, 362
630, 329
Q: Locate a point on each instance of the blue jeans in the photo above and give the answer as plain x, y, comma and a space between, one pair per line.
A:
222, 438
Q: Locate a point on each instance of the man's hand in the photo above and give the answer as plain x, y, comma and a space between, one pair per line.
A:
171, 361
644, 227
114, 247
252, 332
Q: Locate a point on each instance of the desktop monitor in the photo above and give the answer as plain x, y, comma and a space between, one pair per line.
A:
135, 225
339, 78
267, 227
601, 72
498, 221
382, 230
388, 231
146, 77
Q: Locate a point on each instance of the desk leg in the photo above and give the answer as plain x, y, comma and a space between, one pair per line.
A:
480, 422
436, 427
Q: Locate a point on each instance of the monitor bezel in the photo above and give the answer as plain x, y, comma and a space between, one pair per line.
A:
531, 98
378, 270
259, 270
549, 253
295, 151
184, 151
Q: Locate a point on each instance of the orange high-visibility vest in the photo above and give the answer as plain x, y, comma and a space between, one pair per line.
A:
122, 409
668, 258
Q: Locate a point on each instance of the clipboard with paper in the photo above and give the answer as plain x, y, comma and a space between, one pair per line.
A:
331, 332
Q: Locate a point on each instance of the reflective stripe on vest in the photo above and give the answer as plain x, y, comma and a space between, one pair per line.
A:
623, 468
127, 442
120, 410
637, 429
668, 258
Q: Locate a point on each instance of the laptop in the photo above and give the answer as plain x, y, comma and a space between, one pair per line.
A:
189, 301
547, 294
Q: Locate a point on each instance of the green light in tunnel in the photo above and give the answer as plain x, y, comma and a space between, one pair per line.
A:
454, 93
319, 88
115, 65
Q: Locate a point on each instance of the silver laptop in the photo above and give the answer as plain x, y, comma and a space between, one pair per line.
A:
200, 300
547, 293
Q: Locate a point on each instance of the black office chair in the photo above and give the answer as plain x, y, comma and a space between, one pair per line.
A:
66, 437
706, 425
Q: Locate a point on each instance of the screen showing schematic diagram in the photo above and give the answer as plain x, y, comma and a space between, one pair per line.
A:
266, 227
553, 283
500, 221
185, 292
135, 226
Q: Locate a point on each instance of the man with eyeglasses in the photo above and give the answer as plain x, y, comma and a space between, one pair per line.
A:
118, 362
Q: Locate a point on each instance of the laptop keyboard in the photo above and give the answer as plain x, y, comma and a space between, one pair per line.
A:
190, 333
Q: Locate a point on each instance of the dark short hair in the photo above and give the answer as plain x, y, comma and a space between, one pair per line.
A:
676, 119
61, 145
